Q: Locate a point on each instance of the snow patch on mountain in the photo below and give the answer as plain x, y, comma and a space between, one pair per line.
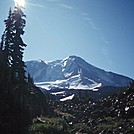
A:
72, 73
74, 82
58, 93
67, 98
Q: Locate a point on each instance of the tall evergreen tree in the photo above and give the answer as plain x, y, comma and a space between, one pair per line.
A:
5, 51
12, 45
20, 100
18, 66
7, 39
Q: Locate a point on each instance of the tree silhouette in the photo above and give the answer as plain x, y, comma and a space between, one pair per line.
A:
20, 99
5, 49
18, 66
8, 39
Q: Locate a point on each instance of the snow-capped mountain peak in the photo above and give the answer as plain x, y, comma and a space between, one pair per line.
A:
73, 73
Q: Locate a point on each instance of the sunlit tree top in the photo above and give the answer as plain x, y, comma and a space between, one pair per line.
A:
20, 3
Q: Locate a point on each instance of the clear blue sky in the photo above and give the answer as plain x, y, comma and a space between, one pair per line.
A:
99, 31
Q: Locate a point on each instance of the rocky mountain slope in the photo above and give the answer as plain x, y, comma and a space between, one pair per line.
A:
110, 115
73, 73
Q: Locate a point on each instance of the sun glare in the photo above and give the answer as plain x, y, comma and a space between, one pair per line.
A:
20, 3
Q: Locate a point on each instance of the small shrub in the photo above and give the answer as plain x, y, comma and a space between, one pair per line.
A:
82, 128
50, 126
104, 127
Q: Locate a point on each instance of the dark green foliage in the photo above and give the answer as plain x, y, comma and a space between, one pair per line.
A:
20, 100
81, 128
30, 79
17, 108
18, 66
49, 126
5, 52
13, 119
7, 39
2, 43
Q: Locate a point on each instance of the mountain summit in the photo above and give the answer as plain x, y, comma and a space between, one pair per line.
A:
74, 73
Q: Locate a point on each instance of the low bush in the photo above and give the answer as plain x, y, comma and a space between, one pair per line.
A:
49, 126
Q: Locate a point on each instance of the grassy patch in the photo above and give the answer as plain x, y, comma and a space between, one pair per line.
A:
49, 126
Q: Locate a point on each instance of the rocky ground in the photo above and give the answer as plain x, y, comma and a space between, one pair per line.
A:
111, 115
114, 114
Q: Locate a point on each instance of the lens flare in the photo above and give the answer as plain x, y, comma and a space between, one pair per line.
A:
20, 3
